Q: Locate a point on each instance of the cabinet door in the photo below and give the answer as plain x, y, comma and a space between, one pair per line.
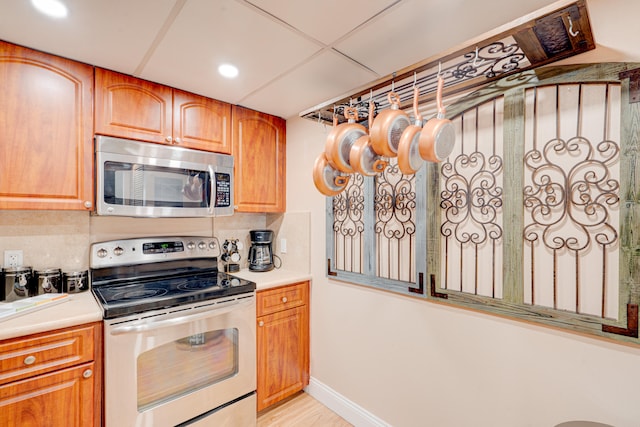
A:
128, 107
283, 355
46, 138
64, 398
259, 150
201, 123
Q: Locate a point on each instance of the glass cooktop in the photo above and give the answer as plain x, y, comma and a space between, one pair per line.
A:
128, 290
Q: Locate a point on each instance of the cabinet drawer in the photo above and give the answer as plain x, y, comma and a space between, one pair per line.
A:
281, 298
41, 353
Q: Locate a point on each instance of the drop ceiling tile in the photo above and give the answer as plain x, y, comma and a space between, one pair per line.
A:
113, 34
327, 20
324, 77
415, 30
208, 33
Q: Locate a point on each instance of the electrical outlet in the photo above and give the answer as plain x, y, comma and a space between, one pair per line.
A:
13, 258
283, 246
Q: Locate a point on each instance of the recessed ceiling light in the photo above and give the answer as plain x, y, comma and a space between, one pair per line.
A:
227, 70
53, 8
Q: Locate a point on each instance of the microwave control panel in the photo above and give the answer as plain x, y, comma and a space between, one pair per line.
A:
223, 190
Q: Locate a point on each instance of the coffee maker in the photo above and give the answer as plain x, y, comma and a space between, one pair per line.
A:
261, 251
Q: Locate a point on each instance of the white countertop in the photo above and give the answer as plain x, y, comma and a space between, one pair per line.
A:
273, 278
82, 307
77, 309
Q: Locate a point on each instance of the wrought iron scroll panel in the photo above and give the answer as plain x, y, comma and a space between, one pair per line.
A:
571, 198
348, 226
471, 204
395, 224
571, 182
378, 235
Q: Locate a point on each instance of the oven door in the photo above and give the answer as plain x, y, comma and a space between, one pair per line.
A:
179, 364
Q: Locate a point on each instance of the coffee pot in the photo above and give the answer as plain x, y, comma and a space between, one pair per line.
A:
261, 250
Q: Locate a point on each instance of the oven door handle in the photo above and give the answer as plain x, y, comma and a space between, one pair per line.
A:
179, 317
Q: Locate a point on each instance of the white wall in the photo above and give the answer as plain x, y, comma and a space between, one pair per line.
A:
411, 362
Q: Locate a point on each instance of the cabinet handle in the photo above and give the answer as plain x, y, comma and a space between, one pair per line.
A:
168, 139
177, 141
87, 373
284, 299
29, 360
261, 323
88, 204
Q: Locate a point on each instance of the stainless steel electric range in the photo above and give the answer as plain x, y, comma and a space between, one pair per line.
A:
179, 334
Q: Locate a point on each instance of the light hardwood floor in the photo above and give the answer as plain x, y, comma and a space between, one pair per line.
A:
300, 410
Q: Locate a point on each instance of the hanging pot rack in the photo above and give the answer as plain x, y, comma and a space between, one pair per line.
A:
559, 31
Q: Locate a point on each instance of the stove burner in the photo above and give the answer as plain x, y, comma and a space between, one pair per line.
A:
138, 294
194, 285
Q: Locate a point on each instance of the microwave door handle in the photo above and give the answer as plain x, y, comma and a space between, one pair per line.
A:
195, 314
212, 189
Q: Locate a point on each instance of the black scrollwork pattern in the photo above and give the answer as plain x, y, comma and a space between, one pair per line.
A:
348, 220
472, 199
471, 202
490, 61
395, 203
571, 194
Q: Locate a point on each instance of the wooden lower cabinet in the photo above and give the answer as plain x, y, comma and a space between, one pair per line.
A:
52, 379
282, 342
63, 398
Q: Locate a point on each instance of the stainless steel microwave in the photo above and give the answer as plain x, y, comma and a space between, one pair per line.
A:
141, 179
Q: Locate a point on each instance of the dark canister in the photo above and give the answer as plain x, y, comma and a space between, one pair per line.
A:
75, 281
18, 283
49, 281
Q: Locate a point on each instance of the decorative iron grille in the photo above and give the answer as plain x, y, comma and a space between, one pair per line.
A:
348, 226
571, 200
471, 202
395, 227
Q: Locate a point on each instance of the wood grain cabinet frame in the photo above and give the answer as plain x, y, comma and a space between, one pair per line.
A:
52, 379
129, 107
259, 150
282, 342
46, 131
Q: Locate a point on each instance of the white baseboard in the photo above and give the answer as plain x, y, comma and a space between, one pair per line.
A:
342, 406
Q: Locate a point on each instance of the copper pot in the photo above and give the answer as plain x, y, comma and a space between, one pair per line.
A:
438, 136
387, 128
409, 159
341, 139
326, 179
363, 157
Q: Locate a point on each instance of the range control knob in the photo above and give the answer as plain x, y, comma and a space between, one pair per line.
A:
191, 246
118, 251
102, 253
202, 245
212, 244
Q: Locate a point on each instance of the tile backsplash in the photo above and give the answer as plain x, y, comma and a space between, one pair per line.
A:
62, 238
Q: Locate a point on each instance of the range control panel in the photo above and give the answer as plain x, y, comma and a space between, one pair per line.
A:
145, 250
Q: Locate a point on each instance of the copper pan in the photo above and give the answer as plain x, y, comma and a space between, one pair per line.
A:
326, 179
341, 139
387, 128
363, 158
438, 137
409, 159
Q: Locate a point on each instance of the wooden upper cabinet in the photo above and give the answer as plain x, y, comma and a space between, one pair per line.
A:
201, 123
259, 152
133, 108
46, 138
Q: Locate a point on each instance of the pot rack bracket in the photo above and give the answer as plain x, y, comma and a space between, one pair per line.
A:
558, 31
